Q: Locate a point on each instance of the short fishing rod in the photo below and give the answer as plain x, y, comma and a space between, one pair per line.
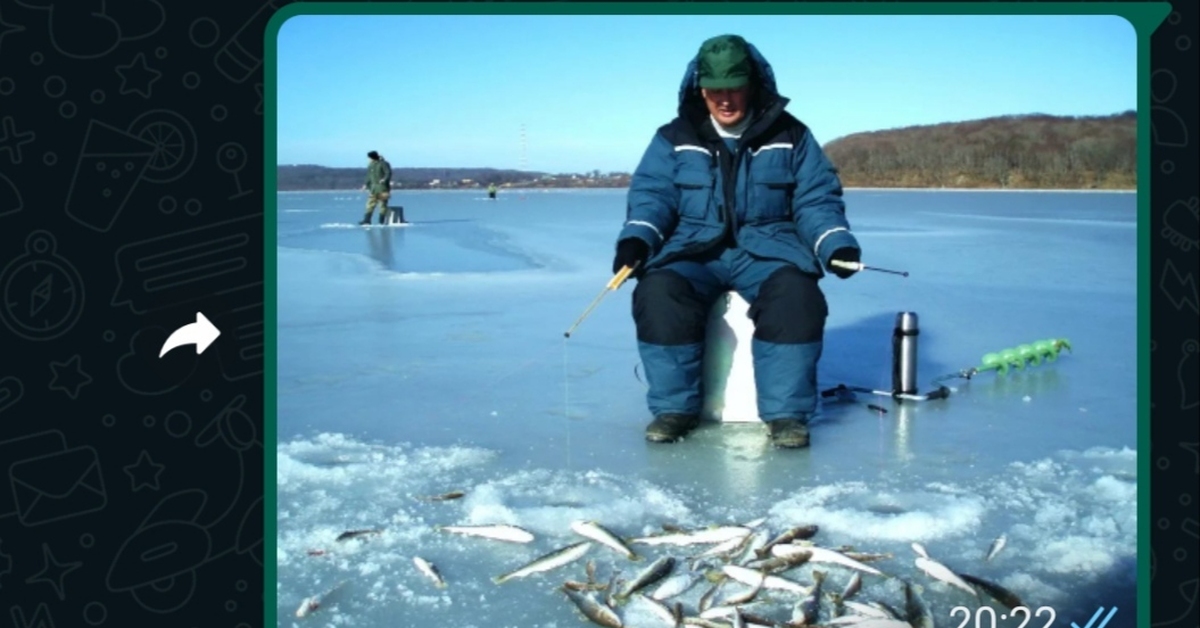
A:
613, 284
861, 266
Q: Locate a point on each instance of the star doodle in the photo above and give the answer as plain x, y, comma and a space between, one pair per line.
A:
53, 572
137, 76
11, 141
144, 472
69, 381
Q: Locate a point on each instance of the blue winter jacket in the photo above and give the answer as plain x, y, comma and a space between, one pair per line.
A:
778, 197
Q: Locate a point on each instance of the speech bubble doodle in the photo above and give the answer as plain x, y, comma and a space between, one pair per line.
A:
172, 270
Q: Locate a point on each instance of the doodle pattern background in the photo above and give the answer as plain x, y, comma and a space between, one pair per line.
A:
122, 137
178, 87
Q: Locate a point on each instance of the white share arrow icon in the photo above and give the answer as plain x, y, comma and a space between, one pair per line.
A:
200, 333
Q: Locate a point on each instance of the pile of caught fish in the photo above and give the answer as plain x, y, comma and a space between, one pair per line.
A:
744, 577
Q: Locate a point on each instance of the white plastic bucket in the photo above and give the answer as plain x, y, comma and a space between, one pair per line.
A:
730, 395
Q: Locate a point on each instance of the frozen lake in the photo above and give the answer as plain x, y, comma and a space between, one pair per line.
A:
418, 360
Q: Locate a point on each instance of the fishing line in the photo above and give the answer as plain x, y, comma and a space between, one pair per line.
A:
567, 400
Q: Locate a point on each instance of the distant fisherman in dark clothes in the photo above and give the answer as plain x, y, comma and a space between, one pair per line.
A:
378, 187
492, 191
733, 194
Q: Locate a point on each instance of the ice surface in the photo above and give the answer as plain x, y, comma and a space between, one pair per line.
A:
418, 360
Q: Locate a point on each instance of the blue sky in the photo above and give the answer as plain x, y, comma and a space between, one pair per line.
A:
454, 91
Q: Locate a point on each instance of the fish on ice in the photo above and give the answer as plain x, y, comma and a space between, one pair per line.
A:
499, 532
753, 577
546, 562
718, 534
594, 610
430, 571
653, 572
604, 536
938, 571
824, 555
995, 547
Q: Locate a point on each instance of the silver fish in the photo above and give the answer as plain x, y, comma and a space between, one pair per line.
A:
915, 610
653, 572
675, 585
501, 532
806, 610
823, 555
354, 534
799, 532
744, 598
555, 559
852, 586
753, 577
920, 550
595, 611
708, 535
995, 548
781, 563
604, 536
441, 498
311, 604
1002, 595
724, 547
429, 570
866, 557
706, 600
938, 571
660, 610
867, 610
703, 623
308, 605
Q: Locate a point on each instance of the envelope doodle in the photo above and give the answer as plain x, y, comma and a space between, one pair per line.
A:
49, 481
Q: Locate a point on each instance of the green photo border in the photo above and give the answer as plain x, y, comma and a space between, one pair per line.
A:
1145, 18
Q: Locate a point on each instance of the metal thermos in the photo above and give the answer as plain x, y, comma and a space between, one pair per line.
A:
904, 354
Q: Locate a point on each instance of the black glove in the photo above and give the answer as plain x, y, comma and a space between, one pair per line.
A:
844, 254
630, 251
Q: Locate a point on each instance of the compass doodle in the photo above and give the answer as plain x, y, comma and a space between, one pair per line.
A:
42, 292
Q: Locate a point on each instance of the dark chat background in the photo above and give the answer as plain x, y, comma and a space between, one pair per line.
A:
131, 198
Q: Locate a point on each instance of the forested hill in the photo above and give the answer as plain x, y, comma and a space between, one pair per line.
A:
1027, 151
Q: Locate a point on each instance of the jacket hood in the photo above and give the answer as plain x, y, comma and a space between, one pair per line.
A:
764, 80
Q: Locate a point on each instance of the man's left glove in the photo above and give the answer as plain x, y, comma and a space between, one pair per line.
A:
630, 251
844, 254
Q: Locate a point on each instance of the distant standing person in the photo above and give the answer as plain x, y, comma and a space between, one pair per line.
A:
733, 194
378, 187
492, 191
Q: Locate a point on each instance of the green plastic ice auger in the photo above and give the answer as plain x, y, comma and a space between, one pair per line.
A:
1017, 357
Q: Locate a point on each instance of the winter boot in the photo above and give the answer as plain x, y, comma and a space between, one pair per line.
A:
366, 219
788, 433
384, 215
668, 428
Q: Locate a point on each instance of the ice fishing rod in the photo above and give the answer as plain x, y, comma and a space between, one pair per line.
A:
861, 266
613, 284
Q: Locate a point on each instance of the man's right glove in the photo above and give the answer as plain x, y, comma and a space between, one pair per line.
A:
630, 251
844, 254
